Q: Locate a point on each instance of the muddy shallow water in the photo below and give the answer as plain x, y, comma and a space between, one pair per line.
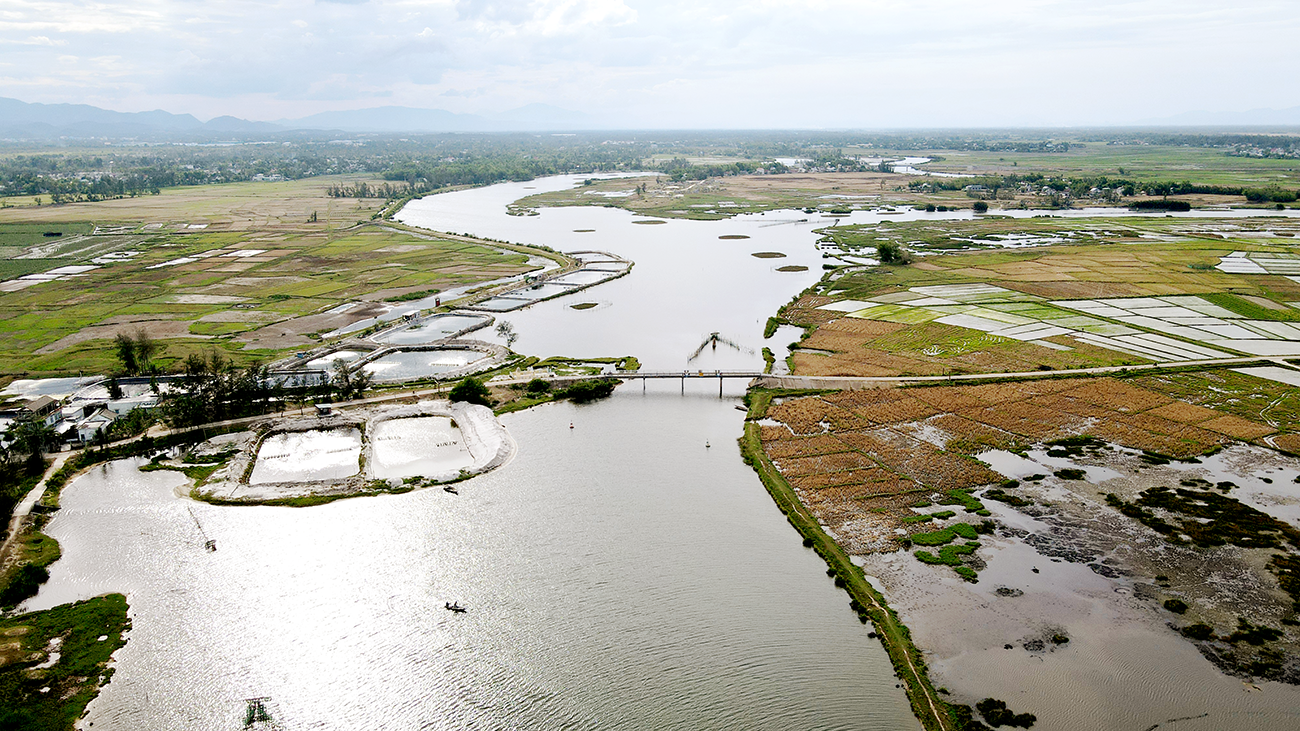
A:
1071, 566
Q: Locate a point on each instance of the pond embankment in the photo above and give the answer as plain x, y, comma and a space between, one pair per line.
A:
309, 460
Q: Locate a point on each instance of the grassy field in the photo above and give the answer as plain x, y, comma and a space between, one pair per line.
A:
998, 232
235, 267
85, 635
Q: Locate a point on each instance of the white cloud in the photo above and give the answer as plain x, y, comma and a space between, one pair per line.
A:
673, 62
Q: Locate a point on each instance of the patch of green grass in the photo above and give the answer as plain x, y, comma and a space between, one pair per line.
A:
1251, 310
412, 296
82, 668
945, 535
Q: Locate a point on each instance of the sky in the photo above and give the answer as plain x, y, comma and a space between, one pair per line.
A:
670, 63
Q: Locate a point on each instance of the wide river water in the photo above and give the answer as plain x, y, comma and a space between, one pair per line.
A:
628, 572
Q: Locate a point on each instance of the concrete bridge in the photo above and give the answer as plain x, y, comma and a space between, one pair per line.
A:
633, 375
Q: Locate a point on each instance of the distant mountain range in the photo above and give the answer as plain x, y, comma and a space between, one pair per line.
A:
21, 120
29, 121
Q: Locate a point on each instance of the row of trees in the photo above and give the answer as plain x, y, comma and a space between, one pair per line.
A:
1080, 186
213, 388
387, 191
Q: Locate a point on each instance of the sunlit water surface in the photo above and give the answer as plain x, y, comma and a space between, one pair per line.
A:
619, 574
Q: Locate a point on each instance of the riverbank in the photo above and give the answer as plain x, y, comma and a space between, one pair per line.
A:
932, 711
53, 663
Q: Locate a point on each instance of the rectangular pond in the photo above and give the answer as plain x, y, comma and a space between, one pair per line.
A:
541, 291
582, 276
408, 364
309, 455
434, 328
418, 446
502, 304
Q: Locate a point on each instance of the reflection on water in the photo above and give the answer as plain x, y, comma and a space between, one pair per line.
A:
326, 362
307, 455
408, 364
607, 587
686, 282
417, 446
428, 330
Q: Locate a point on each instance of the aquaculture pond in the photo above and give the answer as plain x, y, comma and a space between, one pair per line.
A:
307, 455
404, 365
430, 329
417, 446
326, 362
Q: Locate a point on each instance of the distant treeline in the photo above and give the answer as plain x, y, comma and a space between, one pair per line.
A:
431, 162
1082, 185
680, 168
1238, 144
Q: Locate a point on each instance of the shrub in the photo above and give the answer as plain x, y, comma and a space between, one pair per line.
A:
1198, 631
997, 714
981, 207
25, 583
1177, 606
588, 390
471, 391
537, 387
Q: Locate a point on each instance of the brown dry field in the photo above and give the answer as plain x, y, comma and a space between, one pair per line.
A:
861, 459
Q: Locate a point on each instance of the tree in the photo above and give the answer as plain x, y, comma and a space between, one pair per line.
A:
145, 349
31, 438
125, 348
114, 389
891, 253
471, 391
350, 382
981, 207
506, 330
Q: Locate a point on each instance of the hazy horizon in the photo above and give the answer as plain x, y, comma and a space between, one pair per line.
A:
629, 64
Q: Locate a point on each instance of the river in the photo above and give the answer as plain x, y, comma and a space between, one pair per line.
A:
628, 572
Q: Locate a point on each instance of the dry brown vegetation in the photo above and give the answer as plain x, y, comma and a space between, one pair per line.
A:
860, 459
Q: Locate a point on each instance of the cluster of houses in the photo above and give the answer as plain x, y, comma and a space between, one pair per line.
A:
77, 421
